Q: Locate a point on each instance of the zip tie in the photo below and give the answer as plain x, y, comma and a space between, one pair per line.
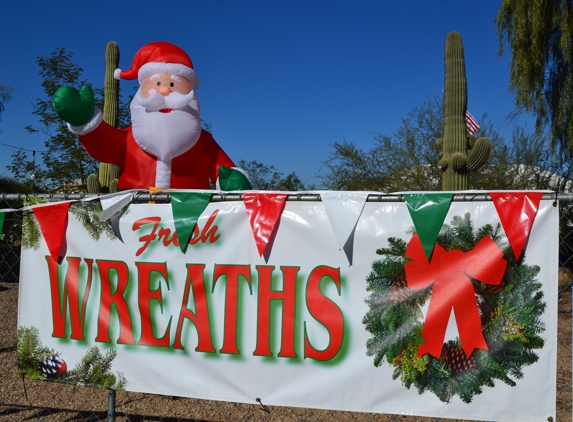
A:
265, 408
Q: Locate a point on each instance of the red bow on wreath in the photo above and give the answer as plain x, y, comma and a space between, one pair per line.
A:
450, 272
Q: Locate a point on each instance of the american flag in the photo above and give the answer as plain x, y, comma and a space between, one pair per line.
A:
472, 126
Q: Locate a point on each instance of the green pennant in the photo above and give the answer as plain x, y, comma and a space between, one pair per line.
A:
187, 207
2, 216
428, 211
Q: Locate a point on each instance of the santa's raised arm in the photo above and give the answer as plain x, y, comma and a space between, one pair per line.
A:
165, 146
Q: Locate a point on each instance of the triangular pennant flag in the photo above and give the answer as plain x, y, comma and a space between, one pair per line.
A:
428, 211
264, 210
343, 210
114, 223
2, 217
53, 221
516, 211
187, 207
112, 204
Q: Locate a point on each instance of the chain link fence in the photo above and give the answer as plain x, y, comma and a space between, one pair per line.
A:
26, 400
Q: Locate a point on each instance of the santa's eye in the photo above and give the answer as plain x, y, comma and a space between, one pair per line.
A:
158, 83
171, 84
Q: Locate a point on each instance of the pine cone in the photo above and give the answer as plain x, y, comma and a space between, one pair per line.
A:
496, 288
456, 358
54, 366
400, 291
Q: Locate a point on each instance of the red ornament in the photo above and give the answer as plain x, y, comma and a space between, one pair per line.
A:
54, 366
63, 368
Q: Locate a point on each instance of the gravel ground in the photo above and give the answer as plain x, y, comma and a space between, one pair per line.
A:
44, 401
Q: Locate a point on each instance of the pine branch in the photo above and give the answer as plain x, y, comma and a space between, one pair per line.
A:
31, 233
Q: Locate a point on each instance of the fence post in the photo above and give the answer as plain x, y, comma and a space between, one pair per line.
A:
110, 405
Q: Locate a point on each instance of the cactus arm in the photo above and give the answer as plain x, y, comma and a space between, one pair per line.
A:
458, 161
479, 154
93, 184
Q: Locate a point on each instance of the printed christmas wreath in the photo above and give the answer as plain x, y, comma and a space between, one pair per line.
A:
38, 362
504, 299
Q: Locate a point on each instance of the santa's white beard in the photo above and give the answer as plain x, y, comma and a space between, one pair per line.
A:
166, 135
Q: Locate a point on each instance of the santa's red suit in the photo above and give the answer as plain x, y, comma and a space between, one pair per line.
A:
190, 170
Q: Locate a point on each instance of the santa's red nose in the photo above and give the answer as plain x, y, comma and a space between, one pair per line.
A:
165, 91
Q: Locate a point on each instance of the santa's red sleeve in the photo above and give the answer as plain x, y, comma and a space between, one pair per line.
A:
106, 144
215, 156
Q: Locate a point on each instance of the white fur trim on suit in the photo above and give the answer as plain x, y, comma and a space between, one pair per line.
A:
89, 126
173, 68
163, 174
116, 73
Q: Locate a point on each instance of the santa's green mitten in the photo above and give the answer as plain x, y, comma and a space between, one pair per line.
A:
76, 108
232, 179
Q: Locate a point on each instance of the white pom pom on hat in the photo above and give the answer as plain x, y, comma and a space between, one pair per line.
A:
159, 57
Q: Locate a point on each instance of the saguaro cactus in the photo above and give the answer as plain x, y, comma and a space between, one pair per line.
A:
455, 161
109, 172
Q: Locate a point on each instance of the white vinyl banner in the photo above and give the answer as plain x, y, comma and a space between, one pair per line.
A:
302, 324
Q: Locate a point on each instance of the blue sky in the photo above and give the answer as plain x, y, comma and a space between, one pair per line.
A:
280, 81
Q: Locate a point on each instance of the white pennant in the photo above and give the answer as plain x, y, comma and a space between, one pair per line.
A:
112, 204
343, 210
114, 222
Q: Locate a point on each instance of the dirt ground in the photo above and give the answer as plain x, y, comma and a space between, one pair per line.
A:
43, 401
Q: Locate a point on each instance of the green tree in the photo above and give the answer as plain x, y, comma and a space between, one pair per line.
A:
526, 161
65, 160
5, 96
266, 177
406, 160
403, 160
24, 170
539, 34
10, 185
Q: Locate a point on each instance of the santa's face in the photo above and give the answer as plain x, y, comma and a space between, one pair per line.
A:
165, 116
164, 84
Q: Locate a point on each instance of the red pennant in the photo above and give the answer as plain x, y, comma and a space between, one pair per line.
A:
53, 221
264, 210
450, 273
516, 211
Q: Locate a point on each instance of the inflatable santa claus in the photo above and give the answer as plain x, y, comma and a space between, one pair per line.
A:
165, 146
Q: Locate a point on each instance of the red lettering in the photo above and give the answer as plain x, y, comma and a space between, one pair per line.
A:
324, 311
233, 272
207, 235
200, 318
117, 299
164, 233
147, 238
70, 298
288, 298
146, 295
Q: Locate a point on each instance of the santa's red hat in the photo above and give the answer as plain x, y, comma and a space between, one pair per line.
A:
159, 57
